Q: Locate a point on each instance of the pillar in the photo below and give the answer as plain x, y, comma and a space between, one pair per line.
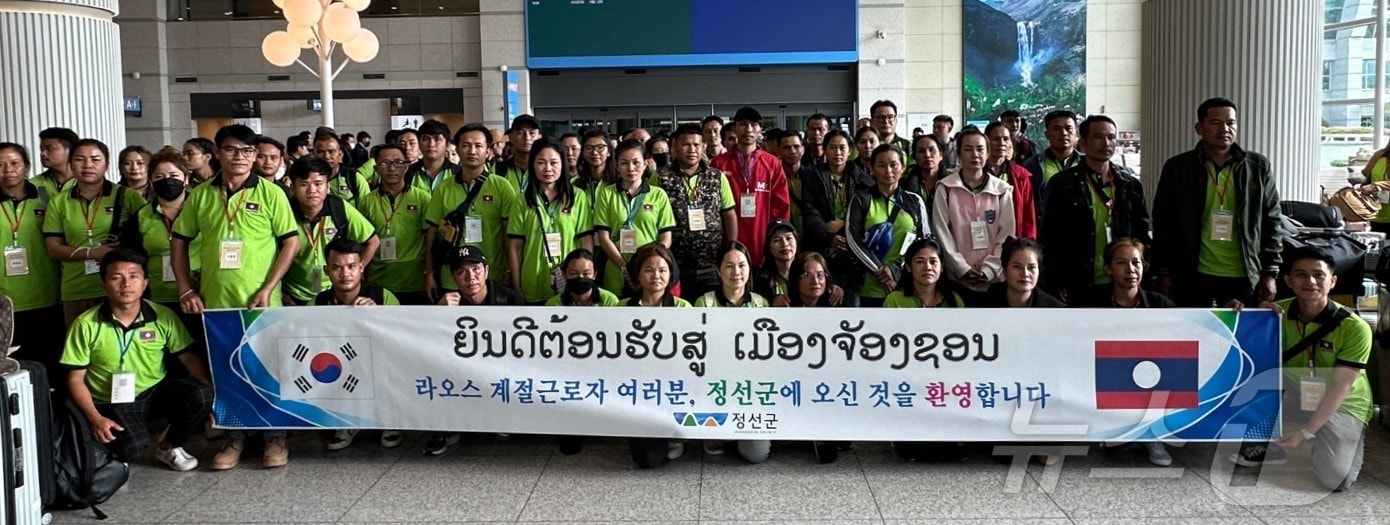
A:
1264, 55
62, 67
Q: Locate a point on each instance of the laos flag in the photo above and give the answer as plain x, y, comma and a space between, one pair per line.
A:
1146, 374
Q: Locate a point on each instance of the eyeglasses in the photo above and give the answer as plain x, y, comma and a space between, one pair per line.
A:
885, 117
596, 147
232, 151
392, 163
815, 276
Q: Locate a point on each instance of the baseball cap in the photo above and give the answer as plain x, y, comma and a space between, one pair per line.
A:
525, 120
466, 255
779, 224
749, 114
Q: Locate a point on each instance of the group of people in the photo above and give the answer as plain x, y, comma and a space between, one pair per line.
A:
715, 214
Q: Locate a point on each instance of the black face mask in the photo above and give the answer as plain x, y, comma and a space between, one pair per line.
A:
579, 286
168, 189
662, 159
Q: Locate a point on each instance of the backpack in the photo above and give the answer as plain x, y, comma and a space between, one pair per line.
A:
1354, 205
85, 473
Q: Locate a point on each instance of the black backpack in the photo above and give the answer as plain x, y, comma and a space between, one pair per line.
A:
85, 473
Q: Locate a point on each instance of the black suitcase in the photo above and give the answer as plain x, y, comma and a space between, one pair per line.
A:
23, 502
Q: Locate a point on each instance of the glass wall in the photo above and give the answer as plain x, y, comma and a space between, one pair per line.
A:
257, 9
1349, 86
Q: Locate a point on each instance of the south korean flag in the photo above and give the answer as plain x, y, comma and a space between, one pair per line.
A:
325, 368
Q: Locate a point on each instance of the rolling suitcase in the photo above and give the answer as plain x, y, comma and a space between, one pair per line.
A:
23, 498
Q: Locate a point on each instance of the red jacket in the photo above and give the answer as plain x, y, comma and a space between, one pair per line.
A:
768, 185
1025, 215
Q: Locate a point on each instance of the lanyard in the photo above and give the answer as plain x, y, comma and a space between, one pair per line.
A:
124, 341
746, 162
89, 214
314, 242
168, 223
1221, 188
550, 210
395, 206
692, 186
231, 212
17, 219
633, 205
1312, 349
1107, 200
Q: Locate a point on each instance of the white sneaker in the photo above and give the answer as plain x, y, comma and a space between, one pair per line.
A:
391, 438
1158, 454
341, 439
674, 449
177, 458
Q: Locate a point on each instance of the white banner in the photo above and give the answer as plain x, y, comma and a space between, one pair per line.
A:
826, 374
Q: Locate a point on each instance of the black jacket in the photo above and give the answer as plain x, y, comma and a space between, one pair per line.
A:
1179, 203
1034, 165
818, 195
1068, 233
997, 297
857, 211
1099, 297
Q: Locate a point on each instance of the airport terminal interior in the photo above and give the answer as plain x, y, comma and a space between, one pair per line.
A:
1309, 78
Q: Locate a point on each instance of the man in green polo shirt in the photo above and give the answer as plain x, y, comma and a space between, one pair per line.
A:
31, 276
248, 229
454, 220
525, 131
1216, 219
320, 218
397, 210
116, 351
343, 181
55, 144
434, 165
1328, 398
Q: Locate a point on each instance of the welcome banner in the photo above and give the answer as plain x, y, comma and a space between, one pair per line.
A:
778, 373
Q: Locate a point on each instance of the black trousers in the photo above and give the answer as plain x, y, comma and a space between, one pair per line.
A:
183, 402
39, 335
1206, 291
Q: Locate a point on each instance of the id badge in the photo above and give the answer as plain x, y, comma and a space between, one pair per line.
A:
1310, 392
552, 243
627, 241
16, 261
697, 219
748, 206
316, 280
1109, 234
979, 235
229, 255
910, 238
91, 267
388, 248
123, 387
473, 230
1384, 196
167, 267
1221, 224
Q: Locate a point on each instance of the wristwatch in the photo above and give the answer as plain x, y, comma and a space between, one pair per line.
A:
1307, 436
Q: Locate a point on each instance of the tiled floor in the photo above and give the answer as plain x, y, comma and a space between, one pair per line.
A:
523, 479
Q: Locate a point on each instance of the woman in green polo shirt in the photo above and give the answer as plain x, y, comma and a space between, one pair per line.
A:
880, 222
82, 224
596, 165
733, 292
547, 222
31, 276
630, 213
580, 288
151, 233
654, 271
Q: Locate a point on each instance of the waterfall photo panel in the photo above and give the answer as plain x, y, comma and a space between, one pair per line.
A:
1025, 55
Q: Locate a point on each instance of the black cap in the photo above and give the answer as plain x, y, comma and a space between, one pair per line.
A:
779, 224
749, 114
525, 120
464, 255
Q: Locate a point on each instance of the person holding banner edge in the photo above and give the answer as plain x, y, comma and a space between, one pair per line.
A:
1325, 354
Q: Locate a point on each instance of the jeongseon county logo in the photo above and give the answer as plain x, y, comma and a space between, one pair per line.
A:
701, 419
325, 368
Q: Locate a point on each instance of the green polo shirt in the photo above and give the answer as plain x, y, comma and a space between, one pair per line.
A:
648, 214
368, 171
339, 186
898, 299
1349, 345
517, 177
531, 224
401, 217
605, 298
1220, 258
494, 202
21, 225
1051, 166
258, 214
71, 217
306, 278
416, 175
1101, 215
716, 299
1378, 174
879, 210
94, 343
48, 185
155, 238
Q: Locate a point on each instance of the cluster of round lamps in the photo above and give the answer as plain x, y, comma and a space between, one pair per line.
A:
319, 25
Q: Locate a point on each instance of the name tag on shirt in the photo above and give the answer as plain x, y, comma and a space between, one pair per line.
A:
627, 241
747, 206
388, 248
16, 261
123, 387
552, 244
979, 235
1310, 392
90, 267
1222, 222
229, 255
167, 264
473, 229
697, 219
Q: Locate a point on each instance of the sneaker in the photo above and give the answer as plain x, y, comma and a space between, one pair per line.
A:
714, 448
341, 439
230, 455
1051, 459
276, 454
391, 438
1256, 455
177, 458
674, 449
826, 452
1158, 454
439, 443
